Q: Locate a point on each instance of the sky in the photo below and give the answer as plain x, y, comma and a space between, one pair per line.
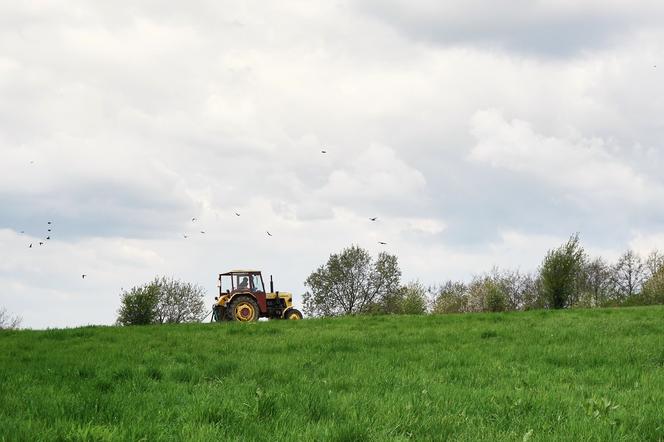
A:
480, 134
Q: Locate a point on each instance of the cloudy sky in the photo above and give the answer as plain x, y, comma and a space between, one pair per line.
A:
479, 133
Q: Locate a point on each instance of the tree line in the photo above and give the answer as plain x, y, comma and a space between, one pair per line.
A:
351, 282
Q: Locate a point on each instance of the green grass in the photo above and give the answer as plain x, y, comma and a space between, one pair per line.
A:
593, 375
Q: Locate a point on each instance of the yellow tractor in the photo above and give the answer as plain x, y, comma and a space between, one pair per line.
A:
242, 297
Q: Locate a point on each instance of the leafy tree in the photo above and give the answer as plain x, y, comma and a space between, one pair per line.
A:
653, 289
628, 276
163, 300
178, 301
495, 299
351, 282
139, 305
450, 297
560, 273
8, 322
410, 299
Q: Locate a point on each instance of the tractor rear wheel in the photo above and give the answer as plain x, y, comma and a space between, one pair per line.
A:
292, 314
243, 309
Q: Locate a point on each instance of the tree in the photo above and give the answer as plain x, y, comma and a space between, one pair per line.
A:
178, 301
628, 276
653, 289
163, 300
595, 282
351, 282
654, 262
139, 305
410, 299
560, 273
8, 322
450, 297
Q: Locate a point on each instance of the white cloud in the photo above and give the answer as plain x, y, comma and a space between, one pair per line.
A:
645, 243
140, 116
584, 169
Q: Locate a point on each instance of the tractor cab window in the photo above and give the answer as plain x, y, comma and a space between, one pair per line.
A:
225, 284
242, 282
257, 284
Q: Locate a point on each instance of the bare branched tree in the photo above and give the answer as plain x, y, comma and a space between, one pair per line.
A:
628, 275
596, 281
654, 263
8, 322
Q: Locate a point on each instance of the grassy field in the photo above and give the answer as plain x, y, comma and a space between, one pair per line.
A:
564, 375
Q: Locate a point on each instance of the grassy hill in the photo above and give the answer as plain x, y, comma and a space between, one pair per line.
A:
563, 375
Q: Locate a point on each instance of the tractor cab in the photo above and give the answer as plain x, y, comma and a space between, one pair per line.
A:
242, 297
240, 281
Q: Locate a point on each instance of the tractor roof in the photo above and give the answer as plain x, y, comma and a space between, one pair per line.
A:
233, 272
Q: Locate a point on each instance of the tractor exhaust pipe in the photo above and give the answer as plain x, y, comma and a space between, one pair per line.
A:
271, 285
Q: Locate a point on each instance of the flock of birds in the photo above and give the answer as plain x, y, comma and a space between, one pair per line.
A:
193, 220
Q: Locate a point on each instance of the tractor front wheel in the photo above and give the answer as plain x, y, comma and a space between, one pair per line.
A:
243, 309
292, 314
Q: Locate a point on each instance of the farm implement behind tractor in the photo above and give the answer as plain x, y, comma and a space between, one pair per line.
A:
242, 297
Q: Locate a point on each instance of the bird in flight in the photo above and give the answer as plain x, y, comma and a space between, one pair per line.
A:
49, 223
237, 214
382, 243
203, 231
374, 218
83, 276
48, 230
48, 237
185, 236
30, 246
193, 220
41, 243
268, 233
323, 151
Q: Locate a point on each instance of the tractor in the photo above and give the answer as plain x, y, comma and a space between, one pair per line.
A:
242, 297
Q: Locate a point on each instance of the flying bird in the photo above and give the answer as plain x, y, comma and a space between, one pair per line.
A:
382, 243
237, 214
268, 233
193, 220
41, 243
185, 236
22, 232
323, 151
30, 246
83, 276
202, 231
49, 223
48, 230
48, 237
374, 218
